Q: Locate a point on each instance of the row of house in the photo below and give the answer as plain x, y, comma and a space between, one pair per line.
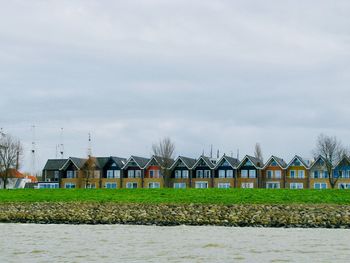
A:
204, 172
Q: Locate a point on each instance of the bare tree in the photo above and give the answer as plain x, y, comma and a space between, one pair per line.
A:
258, 152
332, 150
11, 152
88, 170
165, 150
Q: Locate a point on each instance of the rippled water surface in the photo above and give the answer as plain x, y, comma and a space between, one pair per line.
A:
118, 243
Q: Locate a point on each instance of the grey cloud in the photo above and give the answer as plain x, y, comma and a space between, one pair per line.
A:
227, 73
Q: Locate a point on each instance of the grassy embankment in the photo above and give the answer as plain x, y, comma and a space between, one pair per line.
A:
177, 196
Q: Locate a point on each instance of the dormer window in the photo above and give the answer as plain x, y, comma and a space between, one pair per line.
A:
71, 174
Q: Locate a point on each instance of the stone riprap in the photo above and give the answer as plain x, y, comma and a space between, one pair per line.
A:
311, 216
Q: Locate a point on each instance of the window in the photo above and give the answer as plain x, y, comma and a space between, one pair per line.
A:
244, 173
69, 185
252, 173
320, 186
273, 163
56, 175
301, 174
347, 174
296, 162
185, 174
207, 173
316, 175
131, 174
296, 186
201, 185
325, 174
343, 186
97, 174
340, 174
225, 163
199, 173
48, 186
179, 185
110, 174
269, 174
292, 174
138, 174
224, 185
278, 174
248, 163
229, 173
177, 174
90, 186
152, 173
71, 174
222, 174
111, 185
131, 185
153, 185
113, 174
247, 185
272, 185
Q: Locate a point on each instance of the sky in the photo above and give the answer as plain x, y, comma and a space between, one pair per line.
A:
222, 73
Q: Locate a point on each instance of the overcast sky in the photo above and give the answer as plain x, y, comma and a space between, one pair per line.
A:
227, 73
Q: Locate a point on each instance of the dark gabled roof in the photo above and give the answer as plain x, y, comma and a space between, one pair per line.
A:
140, 161
78, 162
341, 160
188, 162
232, 161
102, 161
54, 164
255, 161
206, 160
161, 160
278, 160
320, 157
119, 161
303, 161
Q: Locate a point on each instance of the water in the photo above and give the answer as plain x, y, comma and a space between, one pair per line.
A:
119, 243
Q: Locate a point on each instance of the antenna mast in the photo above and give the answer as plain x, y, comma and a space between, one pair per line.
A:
33, 151
61, 146
89, 151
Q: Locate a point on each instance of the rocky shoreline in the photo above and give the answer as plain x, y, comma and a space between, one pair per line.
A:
305, 216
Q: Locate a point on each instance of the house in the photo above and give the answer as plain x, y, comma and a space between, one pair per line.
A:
318, 174
154, 172
181, 172
52, 173
297, 173
249, 172
112, 172
273, 173
72, 173
225, 172
342, 173
17, 180
203, 173
133, 172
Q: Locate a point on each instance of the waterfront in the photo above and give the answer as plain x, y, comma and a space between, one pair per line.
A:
124, 243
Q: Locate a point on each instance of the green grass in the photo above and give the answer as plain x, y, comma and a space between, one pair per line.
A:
178, 196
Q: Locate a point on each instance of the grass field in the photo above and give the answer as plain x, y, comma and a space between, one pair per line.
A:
178, 196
